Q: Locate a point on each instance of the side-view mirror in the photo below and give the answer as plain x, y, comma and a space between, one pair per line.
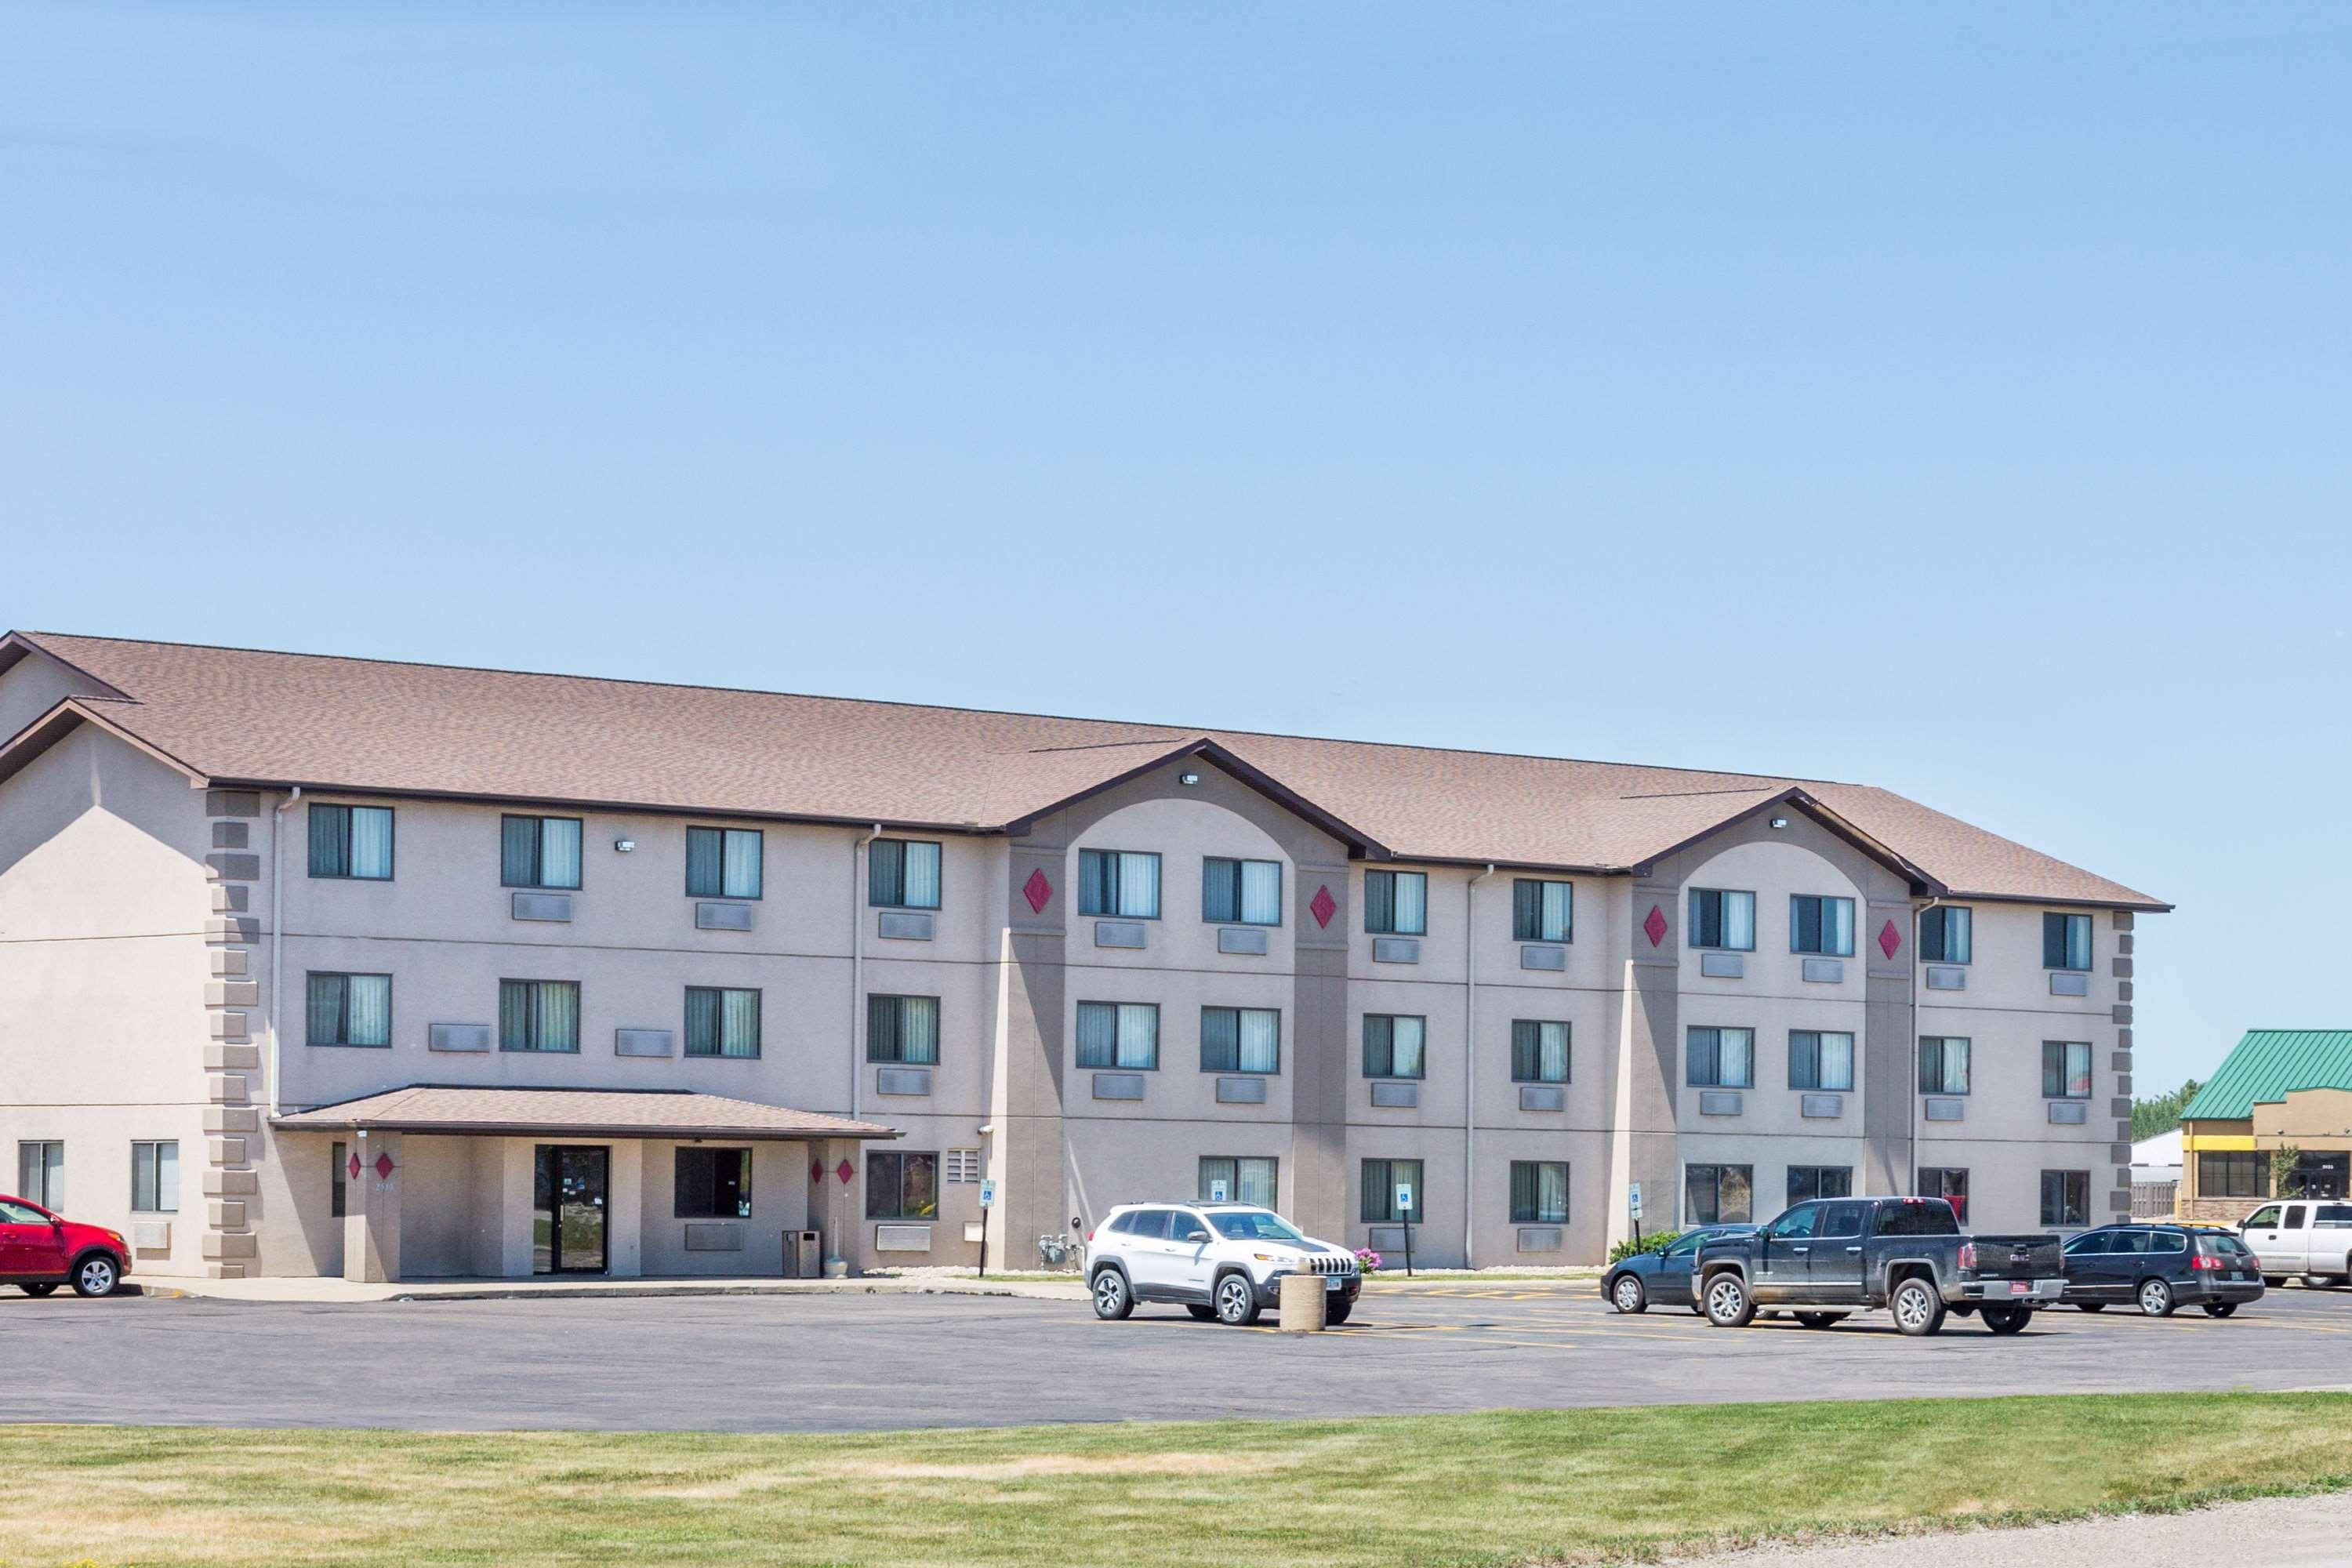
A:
1196, 1235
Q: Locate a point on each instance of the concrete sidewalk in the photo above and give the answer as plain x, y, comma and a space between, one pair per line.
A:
331, 1291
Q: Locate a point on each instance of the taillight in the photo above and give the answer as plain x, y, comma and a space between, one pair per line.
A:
1969, 1257
1090, 1235
2204, 1262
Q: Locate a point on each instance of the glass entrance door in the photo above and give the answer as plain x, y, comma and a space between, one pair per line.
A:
568, 1227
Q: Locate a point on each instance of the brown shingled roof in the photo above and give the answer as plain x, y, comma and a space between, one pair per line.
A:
242, 716
606, 1112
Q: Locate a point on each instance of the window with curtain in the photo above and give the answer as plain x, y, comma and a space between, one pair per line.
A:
1380, 1180
539, 1014
2066, 942
1393, 1046
348, 1010
1822, 925
41, 1173
1944, 935
711, 1183
155, 1176
903, 1029
902, 874
1720, 1059
1247, 1179
2235, 1174
1806, 1183
1538, 1192
1396, 904
539, 852
352, 841
1820, 1059
1540, 910
1119, 1035
2065, 1069
1240, 892
1539, 1050
1121, 882
723, 862
1943, 1064
1718, 1194
721, 1022
902, 1183
1240, 1039
2065, 1197
1946, 1183
1722, 918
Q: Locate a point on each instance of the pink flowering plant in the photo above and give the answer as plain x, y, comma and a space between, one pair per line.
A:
1368, 1260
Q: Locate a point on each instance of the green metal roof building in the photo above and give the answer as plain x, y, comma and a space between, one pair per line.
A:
2278, 1089
2268, 1065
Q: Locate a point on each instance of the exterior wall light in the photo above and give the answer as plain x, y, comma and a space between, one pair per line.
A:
624, 844
1779, 822
1188, 779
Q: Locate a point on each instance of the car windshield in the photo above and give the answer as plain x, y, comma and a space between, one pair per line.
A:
1255, 1224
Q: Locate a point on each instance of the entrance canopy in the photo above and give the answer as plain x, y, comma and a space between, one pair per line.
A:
453, 1110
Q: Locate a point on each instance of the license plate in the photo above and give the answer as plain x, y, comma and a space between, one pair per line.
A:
2020, 1287
1332, 1281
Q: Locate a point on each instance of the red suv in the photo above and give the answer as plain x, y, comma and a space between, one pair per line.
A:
40, 1251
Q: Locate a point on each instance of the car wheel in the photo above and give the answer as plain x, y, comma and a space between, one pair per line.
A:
1820, 1320
96, 1275
39, 1288
1337, 1312
1627, 1296
1236, 1302
2155, 1298
1204, 1314
2220, 1308
1729, 1304
1918, 1310
2007, 1319
1113, 1299
2090, 1306
2308, 1281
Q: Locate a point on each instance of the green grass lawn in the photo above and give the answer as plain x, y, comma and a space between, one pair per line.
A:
1500, 1487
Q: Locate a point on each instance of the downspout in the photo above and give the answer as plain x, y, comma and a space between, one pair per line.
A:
857, 974
277, 938
1470, 1066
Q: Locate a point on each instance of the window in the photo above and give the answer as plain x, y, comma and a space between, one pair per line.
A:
1820, 1059
1381, 1179
539, 852
902, 1185
1918, 1219
2317, 1174
1944, 935
1542, 911
2066, 942
2243, 1173
348, 1010
1539, 1051
155, 1176
1806, 1183
962, 1167
1119, 1035
1396, 904
2093, 1244
903, 1029
721, 1022
41, 1174
2065, 1197
1946, 1183
2263, 1219
713, 1183
723, 862
1394, 1046
539, 1014
1243, 1179
1721, 1059
1240, 1039
1240, 892
353, 841
1538, 1192
1718, 1194
902, 874
1720, 919
1820, 925
1943, 1064
1842, 1222
1120, 882
2065, 1069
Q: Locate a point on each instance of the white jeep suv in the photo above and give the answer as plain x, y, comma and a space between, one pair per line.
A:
1224, 1261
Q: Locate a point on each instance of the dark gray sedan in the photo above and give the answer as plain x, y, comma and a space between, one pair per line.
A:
1661, 1279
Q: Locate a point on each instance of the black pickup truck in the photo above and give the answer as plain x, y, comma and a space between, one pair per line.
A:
1825, 1261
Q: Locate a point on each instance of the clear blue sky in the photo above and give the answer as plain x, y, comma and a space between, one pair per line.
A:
1948, 398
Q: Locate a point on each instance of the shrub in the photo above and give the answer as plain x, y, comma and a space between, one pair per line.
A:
1368, 1260
1656, 1243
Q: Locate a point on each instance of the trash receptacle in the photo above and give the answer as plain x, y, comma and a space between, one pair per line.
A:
1302, 1303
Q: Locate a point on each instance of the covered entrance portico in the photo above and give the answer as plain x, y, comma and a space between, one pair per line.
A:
444, 1181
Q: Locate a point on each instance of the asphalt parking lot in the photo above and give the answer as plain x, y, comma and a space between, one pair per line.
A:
862, 1363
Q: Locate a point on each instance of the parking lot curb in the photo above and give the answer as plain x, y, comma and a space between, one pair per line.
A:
490, 1291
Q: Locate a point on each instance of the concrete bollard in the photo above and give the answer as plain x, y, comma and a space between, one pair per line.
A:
1302, 1304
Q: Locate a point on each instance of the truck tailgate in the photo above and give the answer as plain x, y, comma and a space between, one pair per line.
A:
2017, 1258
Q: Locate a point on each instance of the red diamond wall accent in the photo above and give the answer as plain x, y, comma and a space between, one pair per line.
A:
353, 1167
1654, 928
1323, 906
816, 1170
845, 1171
383, 1166
1889, 938
1038, 891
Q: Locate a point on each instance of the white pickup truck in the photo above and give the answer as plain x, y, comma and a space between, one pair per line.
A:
2308, 1237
